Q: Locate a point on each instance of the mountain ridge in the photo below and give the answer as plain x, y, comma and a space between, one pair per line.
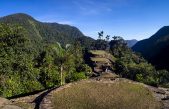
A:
44, 31
131, 43
154, 49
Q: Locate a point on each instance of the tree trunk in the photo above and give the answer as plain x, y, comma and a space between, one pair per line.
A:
61, 75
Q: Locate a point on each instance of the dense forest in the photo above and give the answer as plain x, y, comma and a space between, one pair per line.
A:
35, 56
39, 32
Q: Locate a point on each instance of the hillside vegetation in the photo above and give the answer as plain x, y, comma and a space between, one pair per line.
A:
40, 32
31, 57
35, 56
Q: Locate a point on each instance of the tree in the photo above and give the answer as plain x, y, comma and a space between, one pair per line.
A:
100, 35
107, 37
16, 66
118, 47
163, 76
62, 57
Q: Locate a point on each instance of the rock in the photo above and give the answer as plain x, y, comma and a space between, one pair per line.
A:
157, 90
166, 97
3, 101
166, 104
160, 91
97, 79
11, 107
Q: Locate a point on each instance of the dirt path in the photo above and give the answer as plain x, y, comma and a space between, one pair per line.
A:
31, 101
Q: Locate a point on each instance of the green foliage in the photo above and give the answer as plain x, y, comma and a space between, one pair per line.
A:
25, 50
101, 43
163, 76
40, 32
131, 65
16, 67
31, 60
118, 47
24, 68
77, 76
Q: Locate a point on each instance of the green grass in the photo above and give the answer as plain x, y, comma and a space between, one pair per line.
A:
98, 52
102, 52
108, 75
100, 60
98, 95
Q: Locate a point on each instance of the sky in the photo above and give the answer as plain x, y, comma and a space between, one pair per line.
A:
131, 19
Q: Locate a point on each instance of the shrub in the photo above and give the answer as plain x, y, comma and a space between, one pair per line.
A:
78, 76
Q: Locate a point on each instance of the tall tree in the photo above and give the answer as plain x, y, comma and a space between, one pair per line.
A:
107, 37
62, 57
100, 35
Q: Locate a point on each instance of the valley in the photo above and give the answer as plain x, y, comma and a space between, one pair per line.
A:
55, 66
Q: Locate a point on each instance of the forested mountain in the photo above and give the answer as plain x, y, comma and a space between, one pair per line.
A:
36, 55
40, 32
131, 43
155, 48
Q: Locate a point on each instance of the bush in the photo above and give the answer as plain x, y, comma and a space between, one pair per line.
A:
142, 72
163, 76
78, 76
150, 80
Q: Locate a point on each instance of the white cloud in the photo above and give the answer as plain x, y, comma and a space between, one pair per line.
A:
89, 7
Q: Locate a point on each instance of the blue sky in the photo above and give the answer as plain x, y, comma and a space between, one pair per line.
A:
131, 19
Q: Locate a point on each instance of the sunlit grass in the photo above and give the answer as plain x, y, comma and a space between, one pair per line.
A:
98, 52
100, 59
102, 53
99, 95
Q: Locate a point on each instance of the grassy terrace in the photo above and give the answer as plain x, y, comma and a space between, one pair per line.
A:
98, 52
100, 60
101, 52
99, 95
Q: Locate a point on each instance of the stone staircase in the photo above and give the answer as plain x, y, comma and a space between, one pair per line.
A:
102, 61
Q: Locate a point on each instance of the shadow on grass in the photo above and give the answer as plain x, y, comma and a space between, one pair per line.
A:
27, 94
39, 99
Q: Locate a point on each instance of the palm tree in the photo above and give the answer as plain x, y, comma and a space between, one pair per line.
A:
107, 38
115, 37
62, 56
100, 35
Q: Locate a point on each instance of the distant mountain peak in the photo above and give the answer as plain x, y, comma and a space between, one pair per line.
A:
131, 43
155, 48
161, 33
46, 32
19, 16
